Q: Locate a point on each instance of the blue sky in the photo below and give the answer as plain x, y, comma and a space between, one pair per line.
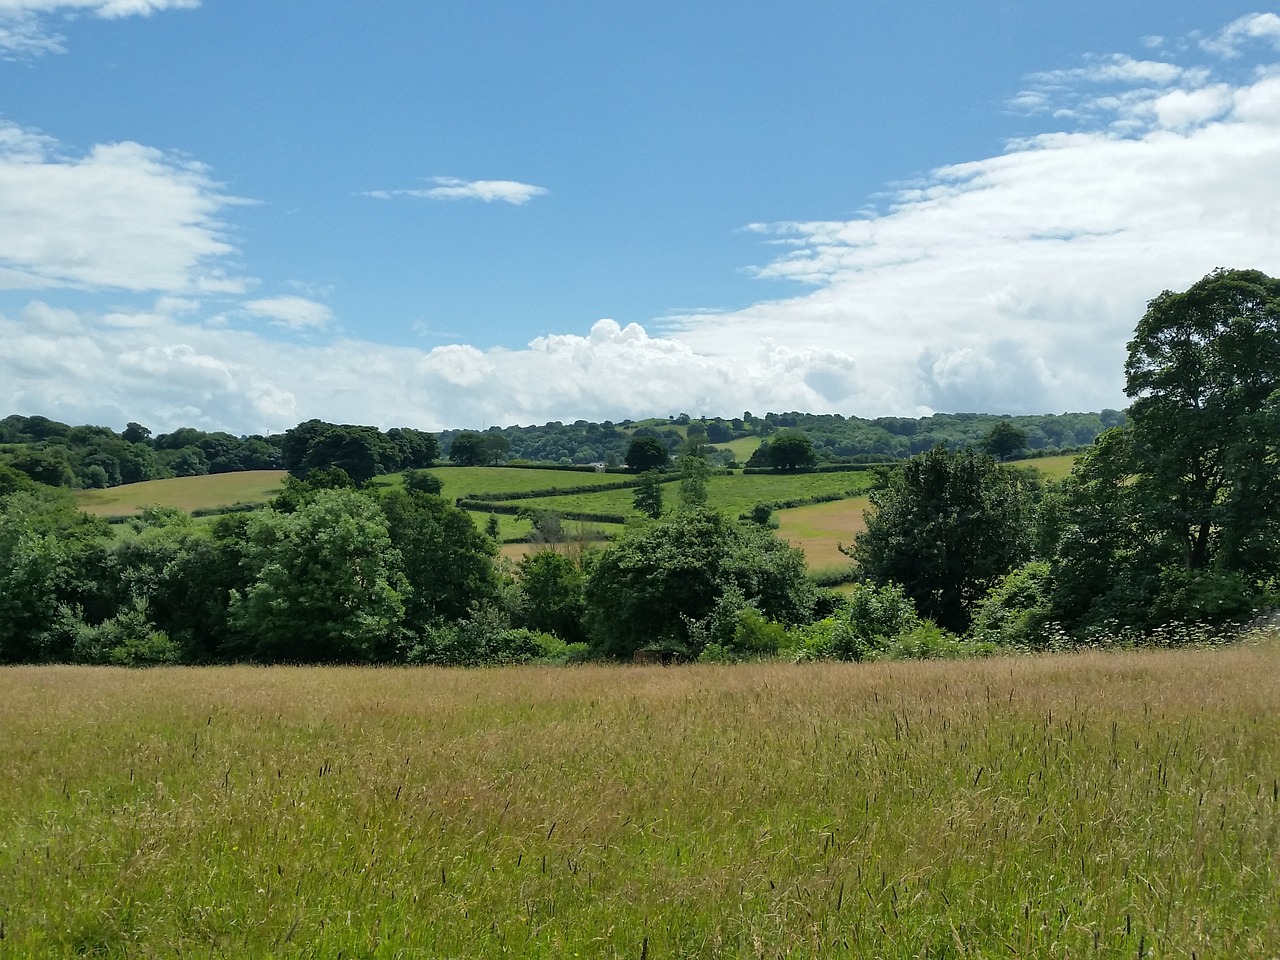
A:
240, 215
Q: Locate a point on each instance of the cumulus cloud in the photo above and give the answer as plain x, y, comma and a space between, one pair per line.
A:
121, 216
25, 29
451, 188
296, 313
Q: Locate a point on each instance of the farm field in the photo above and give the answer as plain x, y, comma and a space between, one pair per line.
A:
1100, 804
732, 494
185, 493
819, 529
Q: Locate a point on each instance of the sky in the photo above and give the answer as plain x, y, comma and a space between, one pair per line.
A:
238, 215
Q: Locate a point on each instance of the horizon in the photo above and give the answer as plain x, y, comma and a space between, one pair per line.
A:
238, 217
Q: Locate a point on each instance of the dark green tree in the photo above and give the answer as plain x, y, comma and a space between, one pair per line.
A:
551, 595
1203, 371
645, 591
946, 528
468, 449
326, 584
1004, 440
646, 453
791, 451
446, 561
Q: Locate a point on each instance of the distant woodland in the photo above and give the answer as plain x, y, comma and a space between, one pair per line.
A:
86, 457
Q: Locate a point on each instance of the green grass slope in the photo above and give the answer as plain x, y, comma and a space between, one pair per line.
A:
1097, 804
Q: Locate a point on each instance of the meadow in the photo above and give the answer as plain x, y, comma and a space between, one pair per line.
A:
1118, 804
185, 493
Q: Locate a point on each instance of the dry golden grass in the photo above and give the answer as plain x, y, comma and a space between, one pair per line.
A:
1114, 805
819, 529
185, 493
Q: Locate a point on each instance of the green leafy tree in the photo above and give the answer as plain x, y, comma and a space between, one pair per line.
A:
791, 451
645, 591
446, 562
946, 528
1004, 440
647, 453
551, 595
468, 449
326, 584
695, 476
1203, 371
648, 495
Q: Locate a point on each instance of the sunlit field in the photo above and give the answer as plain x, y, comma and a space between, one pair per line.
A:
1099, 804
185, 493
820, 528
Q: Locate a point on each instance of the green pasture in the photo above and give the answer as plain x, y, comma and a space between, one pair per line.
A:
731, 493
185, 493
461, 481
1053, 468
1095, 804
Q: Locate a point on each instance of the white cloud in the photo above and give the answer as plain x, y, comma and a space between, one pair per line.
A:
1116, 68
24, 24
296, 313
122, 216
1006, 283
451, 188
1013, 283
1235, 36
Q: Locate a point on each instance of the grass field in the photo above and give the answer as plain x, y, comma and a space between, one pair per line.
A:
731, 494
819, 529
1111, 805
185, 493
1053, 468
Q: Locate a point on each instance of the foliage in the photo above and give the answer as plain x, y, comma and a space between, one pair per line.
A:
646, 453
1204, 374
1018, 610
1004, 440
423, 481
867, 620
326, 584
648, 496
550, 595
694, 476
446, 563
648, 587
947, 527
791, 451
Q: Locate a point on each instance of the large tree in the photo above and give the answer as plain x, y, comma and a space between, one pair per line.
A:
1204, 374
647, 453
791, 451
645, 590
945, 528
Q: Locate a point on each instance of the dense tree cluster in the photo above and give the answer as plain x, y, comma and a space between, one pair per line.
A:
60, 455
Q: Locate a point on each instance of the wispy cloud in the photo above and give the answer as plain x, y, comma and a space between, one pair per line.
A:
122, 216
296, 313
25, 25
452, 188
1232, 40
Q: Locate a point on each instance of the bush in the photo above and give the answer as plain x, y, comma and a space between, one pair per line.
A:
1018, 610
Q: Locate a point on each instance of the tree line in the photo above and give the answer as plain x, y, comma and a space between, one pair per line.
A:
1172, 517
